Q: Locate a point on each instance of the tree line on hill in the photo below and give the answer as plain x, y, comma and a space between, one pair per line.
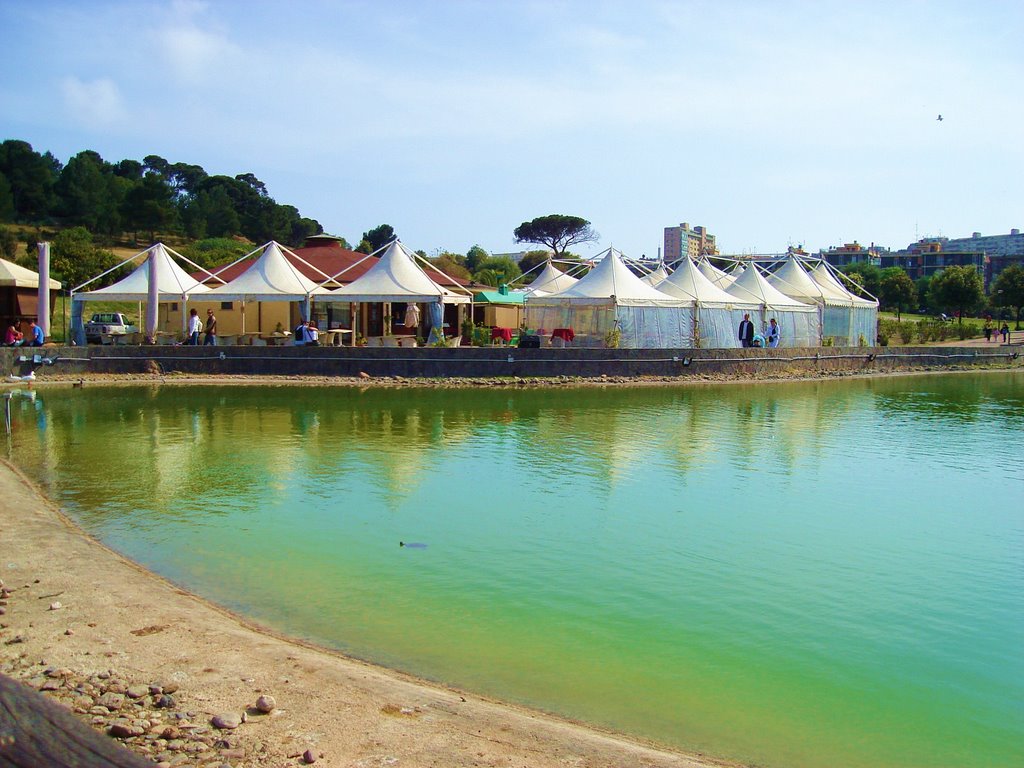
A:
129, 197
89, 203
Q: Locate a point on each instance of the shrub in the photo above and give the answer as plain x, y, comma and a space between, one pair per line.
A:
907, 332
887, 329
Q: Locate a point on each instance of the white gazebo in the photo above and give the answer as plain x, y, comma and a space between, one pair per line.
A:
798, 322
172, 284
398, 278
550, 280
272, 277
717, 314
612, 305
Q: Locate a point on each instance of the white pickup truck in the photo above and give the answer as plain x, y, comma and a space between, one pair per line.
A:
107, 323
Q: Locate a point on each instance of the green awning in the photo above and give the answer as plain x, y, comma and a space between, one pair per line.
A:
497, 297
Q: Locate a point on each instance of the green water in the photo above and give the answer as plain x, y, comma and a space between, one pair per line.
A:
801, 575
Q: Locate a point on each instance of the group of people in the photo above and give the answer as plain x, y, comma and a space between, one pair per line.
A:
992, 333
307, 334
749, 338
15, 338
195, 327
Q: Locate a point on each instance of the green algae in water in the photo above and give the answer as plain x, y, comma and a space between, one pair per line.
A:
788, 574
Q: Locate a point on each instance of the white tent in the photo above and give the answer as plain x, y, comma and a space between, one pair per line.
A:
610, 299
550, 280
798, 322
173, 282
717, 276
847, 318
14, 275
270, 278
656, 276
395, 277
717, 314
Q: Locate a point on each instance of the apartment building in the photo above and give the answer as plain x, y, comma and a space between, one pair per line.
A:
683, 240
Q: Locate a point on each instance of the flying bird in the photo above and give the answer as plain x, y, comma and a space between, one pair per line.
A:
939, 118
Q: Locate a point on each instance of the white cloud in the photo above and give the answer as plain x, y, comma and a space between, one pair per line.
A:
95, 104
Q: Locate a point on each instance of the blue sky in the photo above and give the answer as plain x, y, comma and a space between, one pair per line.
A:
769, 123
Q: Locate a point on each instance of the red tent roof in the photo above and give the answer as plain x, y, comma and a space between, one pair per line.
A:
327, 255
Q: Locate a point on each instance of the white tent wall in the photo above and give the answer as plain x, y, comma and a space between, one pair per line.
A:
642, 327
796, 329
718, 327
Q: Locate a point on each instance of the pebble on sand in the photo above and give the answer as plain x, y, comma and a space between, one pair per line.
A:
265, 704
227, 721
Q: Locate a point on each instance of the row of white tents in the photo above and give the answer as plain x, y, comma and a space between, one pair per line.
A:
694, 305
394, 277
699, 305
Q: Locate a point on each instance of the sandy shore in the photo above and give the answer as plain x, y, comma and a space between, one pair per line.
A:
80, 622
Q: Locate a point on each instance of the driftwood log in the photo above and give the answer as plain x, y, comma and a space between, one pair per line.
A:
37, 732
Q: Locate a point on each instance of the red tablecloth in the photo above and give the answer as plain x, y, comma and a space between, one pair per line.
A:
504, 334
563, 333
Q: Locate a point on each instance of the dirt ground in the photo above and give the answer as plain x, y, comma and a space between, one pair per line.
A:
79, 621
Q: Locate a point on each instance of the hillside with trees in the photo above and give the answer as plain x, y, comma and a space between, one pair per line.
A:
135, 200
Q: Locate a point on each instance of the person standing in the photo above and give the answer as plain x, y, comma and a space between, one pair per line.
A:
195, 325
1005, 332
772, 334
989, 327
211, 329
746, 332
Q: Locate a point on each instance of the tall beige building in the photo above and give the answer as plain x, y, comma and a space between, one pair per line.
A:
692, 242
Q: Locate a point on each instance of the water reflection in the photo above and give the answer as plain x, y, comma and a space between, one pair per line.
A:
694, 565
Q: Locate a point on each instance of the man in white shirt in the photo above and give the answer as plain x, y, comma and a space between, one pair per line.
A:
195, 325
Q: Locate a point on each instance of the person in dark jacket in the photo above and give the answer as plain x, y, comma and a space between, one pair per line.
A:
746, 332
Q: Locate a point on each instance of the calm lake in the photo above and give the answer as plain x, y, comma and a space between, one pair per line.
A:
790, 574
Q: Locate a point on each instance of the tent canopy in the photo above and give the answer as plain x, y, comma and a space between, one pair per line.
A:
610, 282
793, 280
497, 297
751, 286
395, 277
270, 278
655, 276
551, 280
12, 274
823, 276
173, 283
717, 276
688, 282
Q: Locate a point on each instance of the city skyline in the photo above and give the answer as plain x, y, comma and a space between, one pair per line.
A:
793, 123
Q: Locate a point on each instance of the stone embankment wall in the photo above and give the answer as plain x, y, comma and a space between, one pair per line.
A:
489, 362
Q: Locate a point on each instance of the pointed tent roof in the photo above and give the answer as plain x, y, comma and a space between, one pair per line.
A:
270, 278
173, 282
717, 276
395, 277
12, 274
610, 281
688, 282
793, 280
823, 276
551, 280
655, 277
751, 286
